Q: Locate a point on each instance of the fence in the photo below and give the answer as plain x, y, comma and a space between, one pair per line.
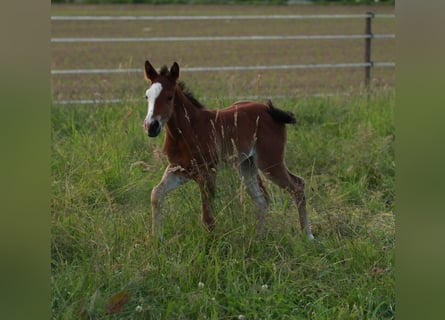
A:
368, 35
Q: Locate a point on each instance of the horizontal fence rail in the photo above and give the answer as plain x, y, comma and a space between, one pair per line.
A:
232, 68
223, 17
227, 38
204, 98
367, 36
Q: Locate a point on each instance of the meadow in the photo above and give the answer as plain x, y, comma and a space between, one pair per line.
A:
104, 167
105, 264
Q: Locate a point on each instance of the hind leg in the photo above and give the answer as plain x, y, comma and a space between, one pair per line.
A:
300, 200
293, 184
256, 190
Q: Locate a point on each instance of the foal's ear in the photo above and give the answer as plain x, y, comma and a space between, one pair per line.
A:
150, 72
174, 71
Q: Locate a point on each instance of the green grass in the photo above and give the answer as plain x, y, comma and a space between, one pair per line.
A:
104, 167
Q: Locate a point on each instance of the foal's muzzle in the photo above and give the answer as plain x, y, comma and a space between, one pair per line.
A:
154, 128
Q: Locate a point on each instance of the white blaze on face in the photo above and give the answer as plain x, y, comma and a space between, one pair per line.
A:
152, 93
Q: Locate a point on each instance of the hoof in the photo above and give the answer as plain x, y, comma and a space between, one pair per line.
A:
209, 225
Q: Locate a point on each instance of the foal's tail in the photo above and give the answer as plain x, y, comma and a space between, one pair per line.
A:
280, 115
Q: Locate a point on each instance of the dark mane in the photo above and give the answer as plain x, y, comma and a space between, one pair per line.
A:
164, 70
190, 95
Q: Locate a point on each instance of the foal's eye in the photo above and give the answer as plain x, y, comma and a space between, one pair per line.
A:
146, 98
170, 98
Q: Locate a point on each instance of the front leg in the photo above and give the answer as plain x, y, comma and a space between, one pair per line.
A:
170, 181
206, 184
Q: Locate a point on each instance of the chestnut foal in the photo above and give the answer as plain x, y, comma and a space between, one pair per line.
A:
196, 139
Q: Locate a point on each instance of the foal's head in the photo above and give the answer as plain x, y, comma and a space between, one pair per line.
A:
160, 97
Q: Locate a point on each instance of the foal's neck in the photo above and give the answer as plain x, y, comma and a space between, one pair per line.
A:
184, 115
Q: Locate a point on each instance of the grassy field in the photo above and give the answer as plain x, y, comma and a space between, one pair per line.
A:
219, 53
104, 263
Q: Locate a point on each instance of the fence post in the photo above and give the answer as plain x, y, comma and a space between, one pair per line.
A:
368, 32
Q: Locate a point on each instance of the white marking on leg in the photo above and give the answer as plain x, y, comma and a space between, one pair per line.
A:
170, 181
151, 94
259, 200
244, 156
250, 179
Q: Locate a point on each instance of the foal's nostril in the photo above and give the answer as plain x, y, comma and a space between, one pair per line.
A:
154, 128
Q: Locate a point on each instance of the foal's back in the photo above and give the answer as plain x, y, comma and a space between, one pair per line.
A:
248, 128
